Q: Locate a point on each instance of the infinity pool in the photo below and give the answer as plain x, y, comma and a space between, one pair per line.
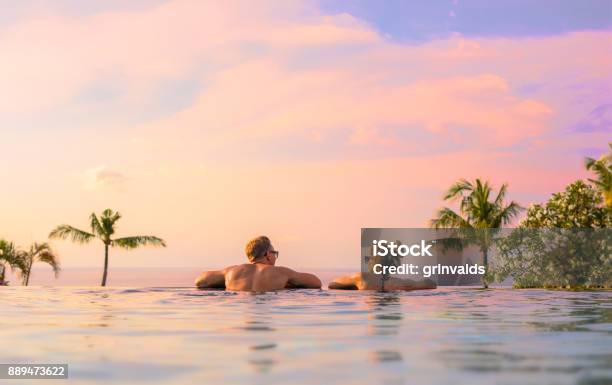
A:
185, 336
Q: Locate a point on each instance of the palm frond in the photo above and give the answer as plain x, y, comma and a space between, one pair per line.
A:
96, 227
67, 231
589, 163
137, 241
11, 255
113, 216
447, 218
501, 195
108, 219
50, 259
457, 189
602, 168
42, 252
507, 213
600, 184
23, 263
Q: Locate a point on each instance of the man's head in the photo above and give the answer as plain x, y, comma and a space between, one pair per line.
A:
260, 250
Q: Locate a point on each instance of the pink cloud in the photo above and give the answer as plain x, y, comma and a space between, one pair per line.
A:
104, 178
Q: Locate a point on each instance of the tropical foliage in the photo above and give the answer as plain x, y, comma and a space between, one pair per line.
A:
11, 257
38, 252
22, 261
557, 257
479, 216
103, 228
602, 168
580, 205
565, 242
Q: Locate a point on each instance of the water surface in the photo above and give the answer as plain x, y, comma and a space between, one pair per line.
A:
187, 336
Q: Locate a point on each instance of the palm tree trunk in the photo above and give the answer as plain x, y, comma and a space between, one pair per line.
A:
485, 261
2, 270
27, 277
105, 264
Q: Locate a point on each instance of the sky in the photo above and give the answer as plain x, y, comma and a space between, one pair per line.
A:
208, 123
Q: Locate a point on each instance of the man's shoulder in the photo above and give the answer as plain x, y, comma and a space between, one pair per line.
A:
282, 269
268, 269
238, 267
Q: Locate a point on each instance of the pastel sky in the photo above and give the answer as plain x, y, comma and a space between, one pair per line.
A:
209, 122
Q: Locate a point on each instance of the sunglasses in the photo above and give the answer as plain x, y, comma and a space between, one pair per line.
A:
273, 252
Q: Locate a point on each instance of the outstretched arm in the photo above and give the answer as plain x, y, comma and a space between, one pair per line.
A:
367, 281
211, 279
302, 280
349, 282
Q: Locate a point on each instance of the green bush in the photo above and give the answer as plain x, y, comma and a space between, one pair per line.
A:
565, 242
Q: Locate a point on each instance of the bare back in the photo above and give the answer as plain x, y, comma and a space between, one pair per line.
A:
257, 277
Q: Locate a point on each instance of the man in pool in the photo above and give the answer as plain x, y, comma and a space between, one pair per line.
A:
260, 274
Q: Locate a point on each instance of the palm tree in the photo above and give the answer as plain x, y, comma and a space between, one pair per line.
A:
478, 216
602, 168
103, 228
39, 252
11, 256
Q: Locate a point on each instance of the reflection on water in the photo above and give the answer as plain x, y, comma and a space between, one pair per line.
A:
386, 355
386, 312
258, 318
264, 346
180, 336
385, 321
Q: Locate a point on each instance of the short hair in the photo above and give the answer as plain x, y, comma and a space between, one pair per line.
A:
257, 247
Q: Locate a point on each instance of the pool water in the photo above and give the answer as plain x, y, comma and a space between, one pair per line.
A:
187, 336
